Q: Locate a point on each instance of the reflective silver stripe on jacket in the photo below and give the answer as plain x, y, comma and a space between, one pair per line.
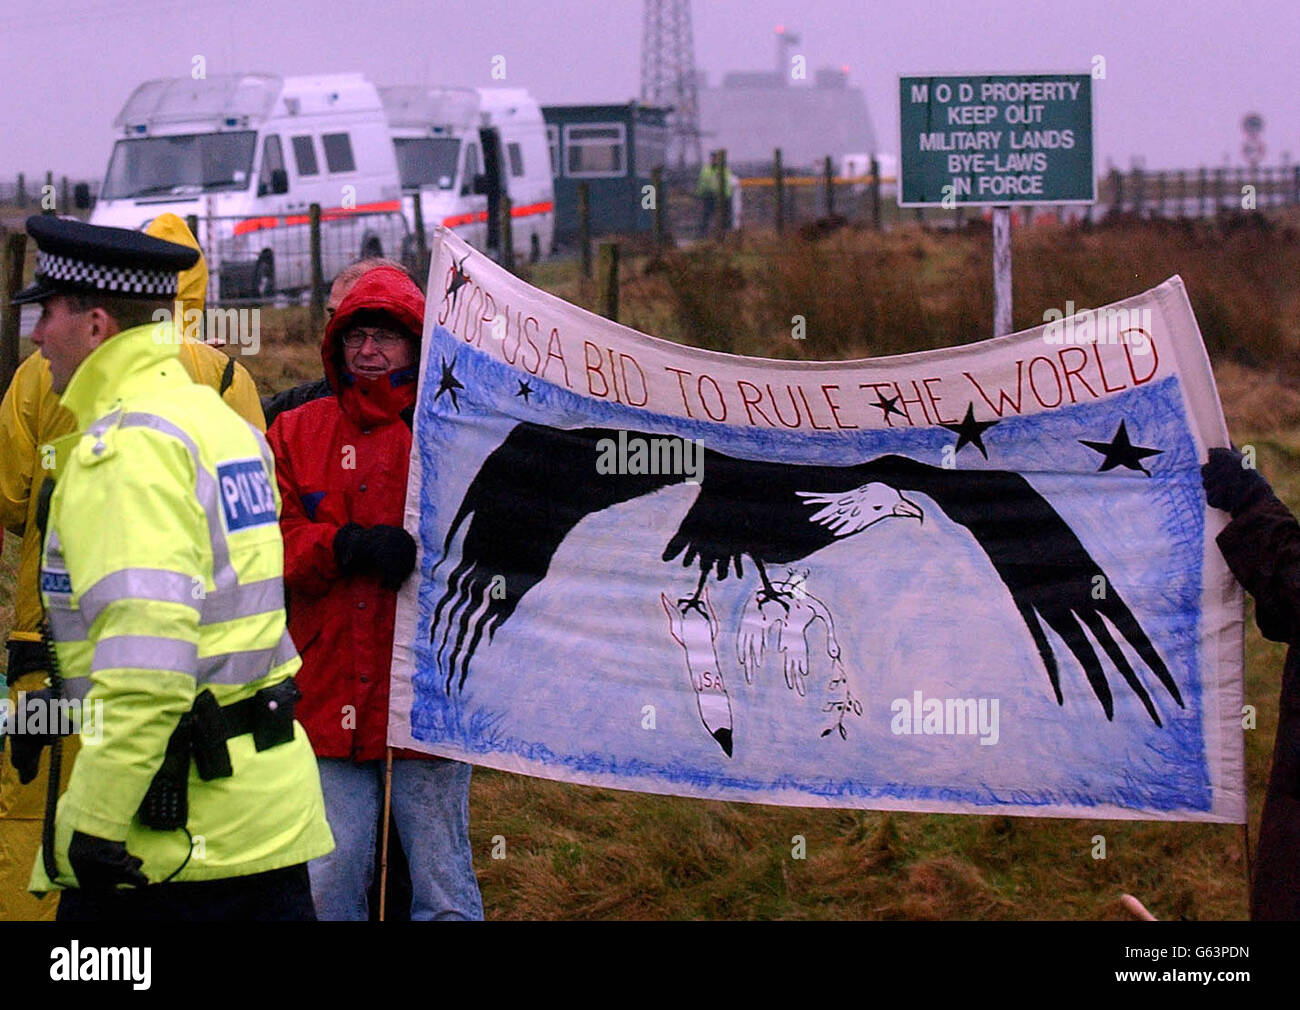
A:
75, 688
245, 667
145, 652
155, 584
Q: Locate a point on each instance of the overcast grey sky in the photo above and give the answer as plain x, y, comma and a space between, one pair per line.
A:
1179, 75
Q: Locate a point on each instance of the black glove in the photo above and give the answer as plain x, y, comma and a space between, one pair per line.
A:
1229, 484
385, 551
25, 748
100, 864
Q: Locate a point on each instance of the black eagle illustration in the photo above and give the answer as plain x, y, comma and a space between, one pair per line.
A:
535, 487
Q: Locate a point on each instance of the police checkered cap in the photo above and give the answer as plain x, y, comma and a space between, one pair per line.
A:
67, 271
73, 256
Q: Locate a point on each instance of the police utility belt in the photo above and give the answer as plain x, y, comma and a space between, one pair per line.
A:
201, 736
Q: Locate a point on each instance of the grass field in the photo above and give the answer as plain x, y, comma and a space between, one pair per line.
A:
575, 852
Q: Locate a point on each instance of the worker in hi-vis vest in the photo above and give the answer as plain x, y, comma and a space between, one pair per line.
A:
195, 794
33, 426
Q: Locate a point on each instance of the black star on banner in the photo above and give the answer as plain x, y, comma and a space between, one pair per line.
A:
458, 279
1119, 451
971, 431
449, 383
889, 405
525, 390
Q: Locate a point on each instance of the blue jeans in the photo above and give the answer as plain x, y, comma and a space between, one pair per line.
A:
431, 811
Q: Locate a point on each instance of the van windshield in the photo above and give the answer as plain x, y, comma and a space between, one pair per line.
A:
427, 161
183, 165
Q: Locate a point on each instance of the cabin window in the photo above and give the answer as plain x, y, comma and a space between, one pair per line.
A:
304, 153
516, 155
650, 150
553, 142
594, 150
338, 152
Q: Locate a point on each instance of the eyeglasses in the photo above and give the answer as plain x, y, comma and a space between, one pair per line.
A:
385, 340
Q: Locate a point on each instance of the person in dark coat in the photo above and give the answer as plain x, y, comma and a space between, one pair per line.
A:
1262, 547
341, 464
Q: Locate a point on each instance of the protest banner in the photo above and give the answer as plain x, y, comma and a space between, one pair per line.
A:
977, 579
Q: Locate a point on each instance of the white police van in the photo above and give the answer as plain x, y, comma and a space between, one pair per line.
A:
249, 154
461, 149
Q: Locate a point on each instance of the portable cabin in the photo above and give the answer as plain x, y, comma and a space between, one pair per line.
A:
613, 149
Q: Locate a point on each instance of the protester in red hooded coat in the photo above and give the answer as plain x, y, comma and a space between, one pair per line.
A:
341, 463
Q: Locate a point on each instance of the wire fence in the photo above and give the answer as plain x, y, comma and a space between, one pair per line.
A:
280, 258
805, 199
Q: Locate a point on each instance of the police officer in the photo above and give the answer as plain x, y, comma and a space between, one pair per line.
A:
33, 429
195, 794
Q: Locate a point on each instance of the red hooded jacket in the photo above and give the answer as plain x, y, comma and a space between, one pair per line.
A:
343, 459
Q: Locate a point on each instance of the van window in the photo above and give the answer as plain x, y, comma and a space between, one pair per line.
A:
595, 149
304, 153
427, 161
471, 169
553, 142
516, 156
272, 162
191, 163
338, 152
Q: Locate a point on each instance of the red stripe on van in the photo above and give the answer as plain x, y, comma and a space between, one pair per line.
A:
456, 220
331, 214
254, 224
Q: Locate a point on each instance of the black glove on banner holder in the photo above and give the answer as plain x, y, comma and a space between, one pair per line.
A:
387, 552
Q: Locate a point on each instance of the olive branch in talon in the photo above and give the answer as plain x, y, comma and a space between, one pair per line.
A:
843, 706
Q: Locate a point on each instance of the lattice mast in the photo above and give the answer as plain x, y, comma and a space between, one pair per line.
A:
668, 75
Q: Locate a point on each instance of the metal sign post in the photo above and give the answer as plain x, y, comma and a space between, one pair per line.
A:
1001, 270
996, 140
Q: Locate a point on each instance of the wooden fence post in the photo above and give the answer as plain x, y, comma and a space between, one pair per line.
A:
607, 280
778, 190
507, 232
20, 196
421, 243
875, 193
11, 282
657, 185
724, 198
828, 176
584, 229
317, 271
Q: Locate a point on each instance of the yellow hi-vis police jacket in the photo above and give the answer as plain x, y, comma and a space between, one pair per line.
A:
161, 576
